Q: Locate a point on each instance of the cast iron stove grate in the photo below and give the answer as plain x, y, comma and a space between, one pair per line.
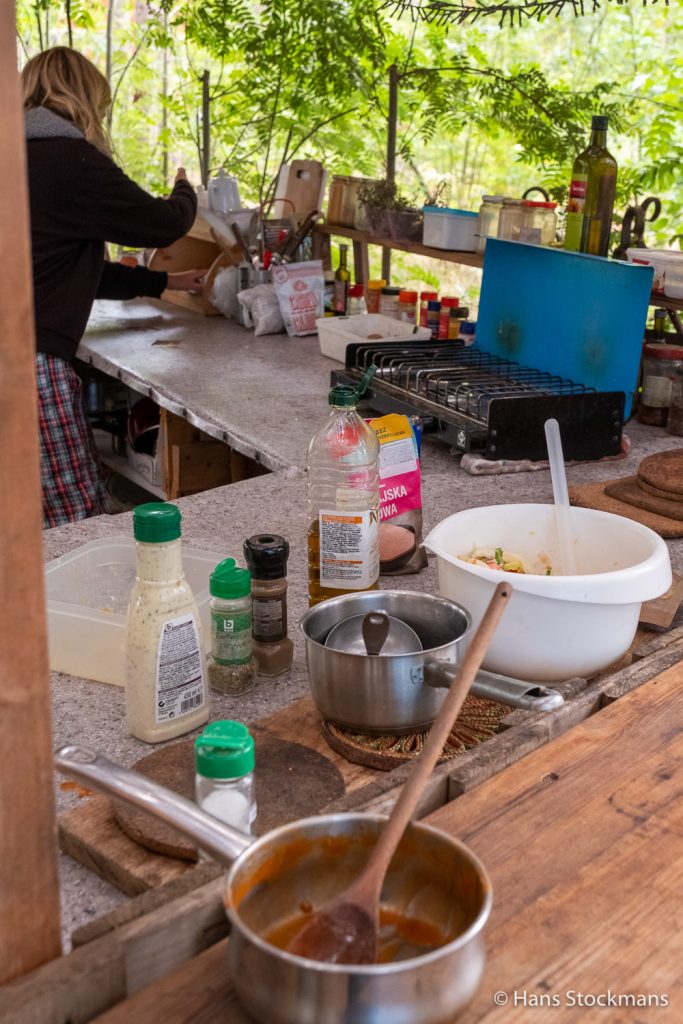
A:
479, 402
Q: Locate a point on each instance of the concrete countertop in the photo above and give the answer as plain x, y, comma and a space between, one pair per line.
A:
237, 388
93, 713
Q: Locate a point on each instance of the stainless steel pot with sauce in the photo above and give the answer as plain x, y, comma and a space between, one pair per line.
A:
435, 902
401, 693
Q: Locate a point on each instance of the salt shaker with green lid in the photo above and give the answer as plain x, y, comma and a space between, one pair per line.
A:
224, 773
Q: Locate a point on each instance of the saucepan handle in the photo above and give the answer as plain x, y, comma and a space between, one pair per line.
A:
503, 689
216, 838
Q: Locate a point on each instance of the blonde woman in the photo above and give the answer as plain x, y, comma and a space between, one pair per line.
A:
80, 199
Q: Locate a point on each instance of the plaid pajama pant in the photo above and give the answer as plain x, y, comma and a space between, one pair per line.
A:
70, 474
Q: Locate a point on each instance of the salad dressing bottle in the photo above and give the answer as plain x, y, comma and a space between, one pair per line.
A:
166, 693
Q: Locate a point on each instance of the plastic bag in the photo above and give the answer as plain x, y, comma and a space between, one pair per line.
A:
260, 309
400, 501
224, 291
300, 289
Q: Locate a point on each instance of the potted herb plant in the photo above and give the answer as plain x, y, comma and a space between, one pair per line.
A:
389, 214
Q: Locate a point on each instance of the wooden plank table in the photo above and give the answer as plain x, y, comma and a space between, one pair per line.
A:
583, 840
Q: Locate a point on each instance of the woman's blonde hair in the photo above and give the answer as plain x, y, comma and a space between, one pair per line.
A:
69, 85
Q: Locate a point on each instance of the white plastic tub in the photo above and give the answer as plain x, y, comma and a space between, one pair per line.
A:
87, 594
446, 228
554, 627
668, 269
336, 332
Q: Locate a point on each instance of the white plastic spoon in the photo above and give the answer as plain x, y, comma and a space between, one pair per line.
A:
561, 498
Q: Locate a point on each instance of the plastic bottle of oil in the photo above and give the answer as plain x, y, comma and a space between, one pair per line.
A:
343, 500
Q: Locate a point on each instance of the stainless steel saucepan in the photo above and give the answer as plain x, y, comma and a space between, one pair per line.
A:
401, 693
434, 884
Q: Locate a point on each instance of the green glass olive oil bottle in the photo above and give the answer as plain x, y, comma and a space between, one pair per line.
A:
591, 195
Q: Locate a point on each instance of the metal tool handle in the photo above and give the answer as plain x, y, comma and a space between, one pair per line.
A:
503, 689
216, 838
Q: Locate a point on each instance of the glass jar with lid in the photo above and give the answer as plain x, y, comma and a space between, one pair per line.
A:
489, 214
661, 363
510, 219
538, 223
675, 421
388, 302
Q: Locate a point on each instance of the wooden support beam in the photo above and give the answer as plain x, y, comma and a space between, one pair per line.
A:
29, 892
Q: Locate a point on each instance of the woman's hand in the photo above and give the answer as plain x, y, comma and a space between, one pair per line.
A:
180, 175
186, 281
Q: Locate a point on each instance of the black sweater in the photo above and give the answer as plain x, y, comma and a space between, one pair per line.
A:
79, 199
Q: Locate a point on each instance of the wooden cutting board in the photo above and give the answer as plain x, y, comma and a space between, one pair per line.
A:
298, 775
593, 496
303, 183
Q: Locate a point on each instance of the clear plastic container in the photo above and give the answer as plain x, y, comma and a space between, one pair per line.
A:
510, 219
489, 214
88, 591
343, 500
407, 307
356, 301
224, 774
538, 223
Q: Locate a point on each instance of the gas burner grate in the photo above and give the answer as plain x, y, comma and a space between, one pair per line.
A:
480, 402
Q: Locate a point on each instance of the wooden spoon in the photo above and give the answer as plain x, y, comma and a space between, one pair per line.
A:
346, 930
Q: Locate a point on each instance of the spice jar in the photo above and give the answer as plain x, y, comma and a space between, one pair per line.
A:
224, 774
661, 363
425, 299
373, 294
407, 306
510, 218
489, 214
231, 665
675, 421
538, 223
448, 303
388, 302
356, 302
433, 318
266, 555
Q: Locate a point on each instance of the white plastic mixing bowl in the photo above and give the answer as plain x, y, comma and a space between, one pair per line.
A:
554, 627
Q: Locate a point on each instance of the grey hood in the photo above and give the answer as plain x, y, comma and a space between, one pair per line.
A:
41, 123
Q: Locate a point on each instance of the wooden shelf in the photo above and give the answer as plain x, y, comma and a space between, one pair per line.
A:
469, 259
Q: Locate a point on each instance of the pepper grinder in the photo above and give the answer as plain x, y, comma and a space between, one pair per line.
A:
266, 555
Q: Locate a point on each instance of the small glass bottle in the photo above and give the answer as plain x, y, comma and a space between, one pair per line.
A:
448, 302
356, 304
661, 363
342, 278
224, 774
266, 555
232, 664
373, 293
166, 692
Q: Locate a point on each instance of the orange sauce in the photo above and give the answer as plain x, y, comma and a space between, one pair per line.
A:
400, 937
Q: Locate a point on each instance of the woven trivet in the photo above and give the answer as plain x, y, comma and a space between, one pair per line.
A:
478, 720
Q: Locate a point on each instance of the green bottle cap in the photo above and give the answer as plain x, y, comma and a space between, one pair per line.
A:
229, 580
156, 522
225, 750
346, 396
599, 122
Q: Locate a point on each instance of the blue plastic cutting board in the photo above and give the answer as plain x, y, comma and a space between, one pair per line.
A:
582, 317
